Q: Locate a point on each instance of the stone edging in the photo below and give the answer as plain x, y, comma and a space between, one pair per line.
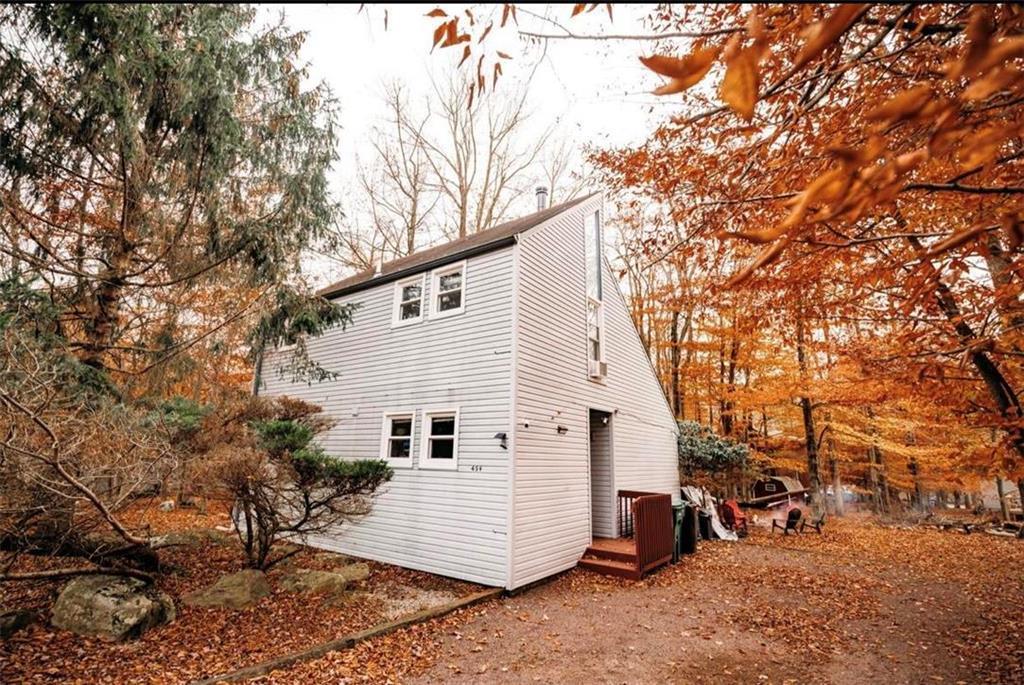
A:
349, 641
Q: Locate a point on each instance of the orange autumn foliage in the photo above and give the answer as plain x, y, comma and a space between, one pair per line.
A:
856, 168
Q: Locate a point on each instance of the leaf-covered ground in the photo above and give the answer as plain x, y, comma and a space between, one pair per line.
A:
863, 603
202, 642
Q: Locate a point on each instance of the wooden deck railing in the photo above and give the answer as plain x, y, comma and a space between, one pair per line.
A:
626, 499
647, 517
655, 531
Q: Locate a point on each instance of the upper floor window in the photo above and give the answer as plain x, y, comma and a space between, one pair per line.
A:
408, 301
594, 257
595, 338
448, 290
440, 439
595, 297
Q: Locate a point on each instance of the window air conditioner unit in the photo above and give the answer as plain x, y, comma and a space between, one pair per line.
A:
598, 369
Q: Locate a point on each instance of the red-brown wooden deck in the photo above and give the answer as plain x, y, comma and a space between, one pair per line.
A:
649, 545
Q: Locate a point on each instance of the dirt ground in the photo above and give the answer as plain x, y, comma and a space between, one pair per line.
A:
861, 604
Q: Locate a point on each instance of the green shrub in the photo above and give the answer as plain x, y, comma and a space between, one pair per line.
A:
283, 436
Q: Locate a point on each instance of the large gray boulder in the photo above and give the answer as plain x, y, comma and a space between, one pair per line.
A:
196, 536
111, 607
233, 591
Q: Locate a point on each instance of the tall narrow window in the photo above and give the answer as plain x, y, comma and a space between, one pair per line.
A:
396, 439
595, 297
594, 255
440, 439
408, 301
448, 290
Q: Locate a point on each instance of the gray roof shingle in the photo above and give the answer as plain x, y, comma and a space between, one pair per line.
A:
477, 243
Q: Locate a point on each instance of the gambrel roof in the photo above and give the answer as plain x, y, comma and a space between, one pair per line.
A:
500, 236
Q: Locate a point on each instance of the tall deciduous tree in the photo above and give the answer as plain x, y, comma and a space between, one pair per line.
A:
871, 150
162, 167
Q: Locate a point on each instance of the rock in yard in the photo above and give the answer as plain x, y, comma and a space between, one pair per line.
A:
167, 505
194, 536
13, 620
111, 607
354, 572
318, 582
233, 591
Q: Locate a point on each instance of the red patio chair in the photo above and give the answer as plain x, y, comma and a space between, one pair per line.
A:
733, 517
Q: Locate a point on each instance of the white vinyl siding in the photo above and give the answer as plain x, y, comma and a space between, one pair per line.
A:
551, 493
446, 521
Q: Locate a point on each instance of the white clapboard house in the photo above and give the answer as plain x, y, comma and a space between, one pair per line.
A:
502, 377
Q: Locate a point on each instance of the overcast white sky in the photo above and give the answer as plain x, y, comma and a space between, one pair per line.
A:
593, 90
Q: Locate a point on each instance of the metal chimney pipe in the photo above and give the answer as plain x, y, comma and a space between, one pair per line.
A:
542, 198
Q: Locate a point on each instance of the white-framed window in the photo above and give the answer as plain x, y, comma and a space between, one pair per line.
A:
440, 448
595, 255
596, 368
396, 438
595, 338
448, 290
408, 300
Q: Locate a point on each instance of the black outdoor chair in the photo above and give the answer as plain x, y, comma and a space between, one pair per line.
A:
792, 521
817, 524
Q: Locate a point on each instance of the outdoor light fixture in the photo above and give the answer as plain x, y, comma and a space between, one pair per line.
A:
561, 430
504, 440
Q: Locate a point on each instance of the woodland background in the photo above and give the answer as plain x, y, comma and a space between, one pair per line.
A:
821, 244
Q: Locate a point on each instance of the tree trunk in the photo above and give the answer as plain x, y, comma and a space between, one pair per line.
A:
1004, 395
1010, 309
883, 501
1004, 508
806, 408
839, 506
676, 393
876, 490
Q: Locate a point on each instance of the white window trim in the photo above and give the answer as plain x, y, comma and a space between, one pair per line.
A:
385, 438
396, 307
602, 337
425, 461
435, 290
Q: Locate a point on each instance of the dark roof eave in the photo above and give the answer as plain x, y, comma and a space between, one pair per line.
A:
474, 251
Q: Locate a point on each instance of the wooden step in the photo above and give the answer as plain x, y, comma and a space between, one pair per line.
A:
610, 567
611, 554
